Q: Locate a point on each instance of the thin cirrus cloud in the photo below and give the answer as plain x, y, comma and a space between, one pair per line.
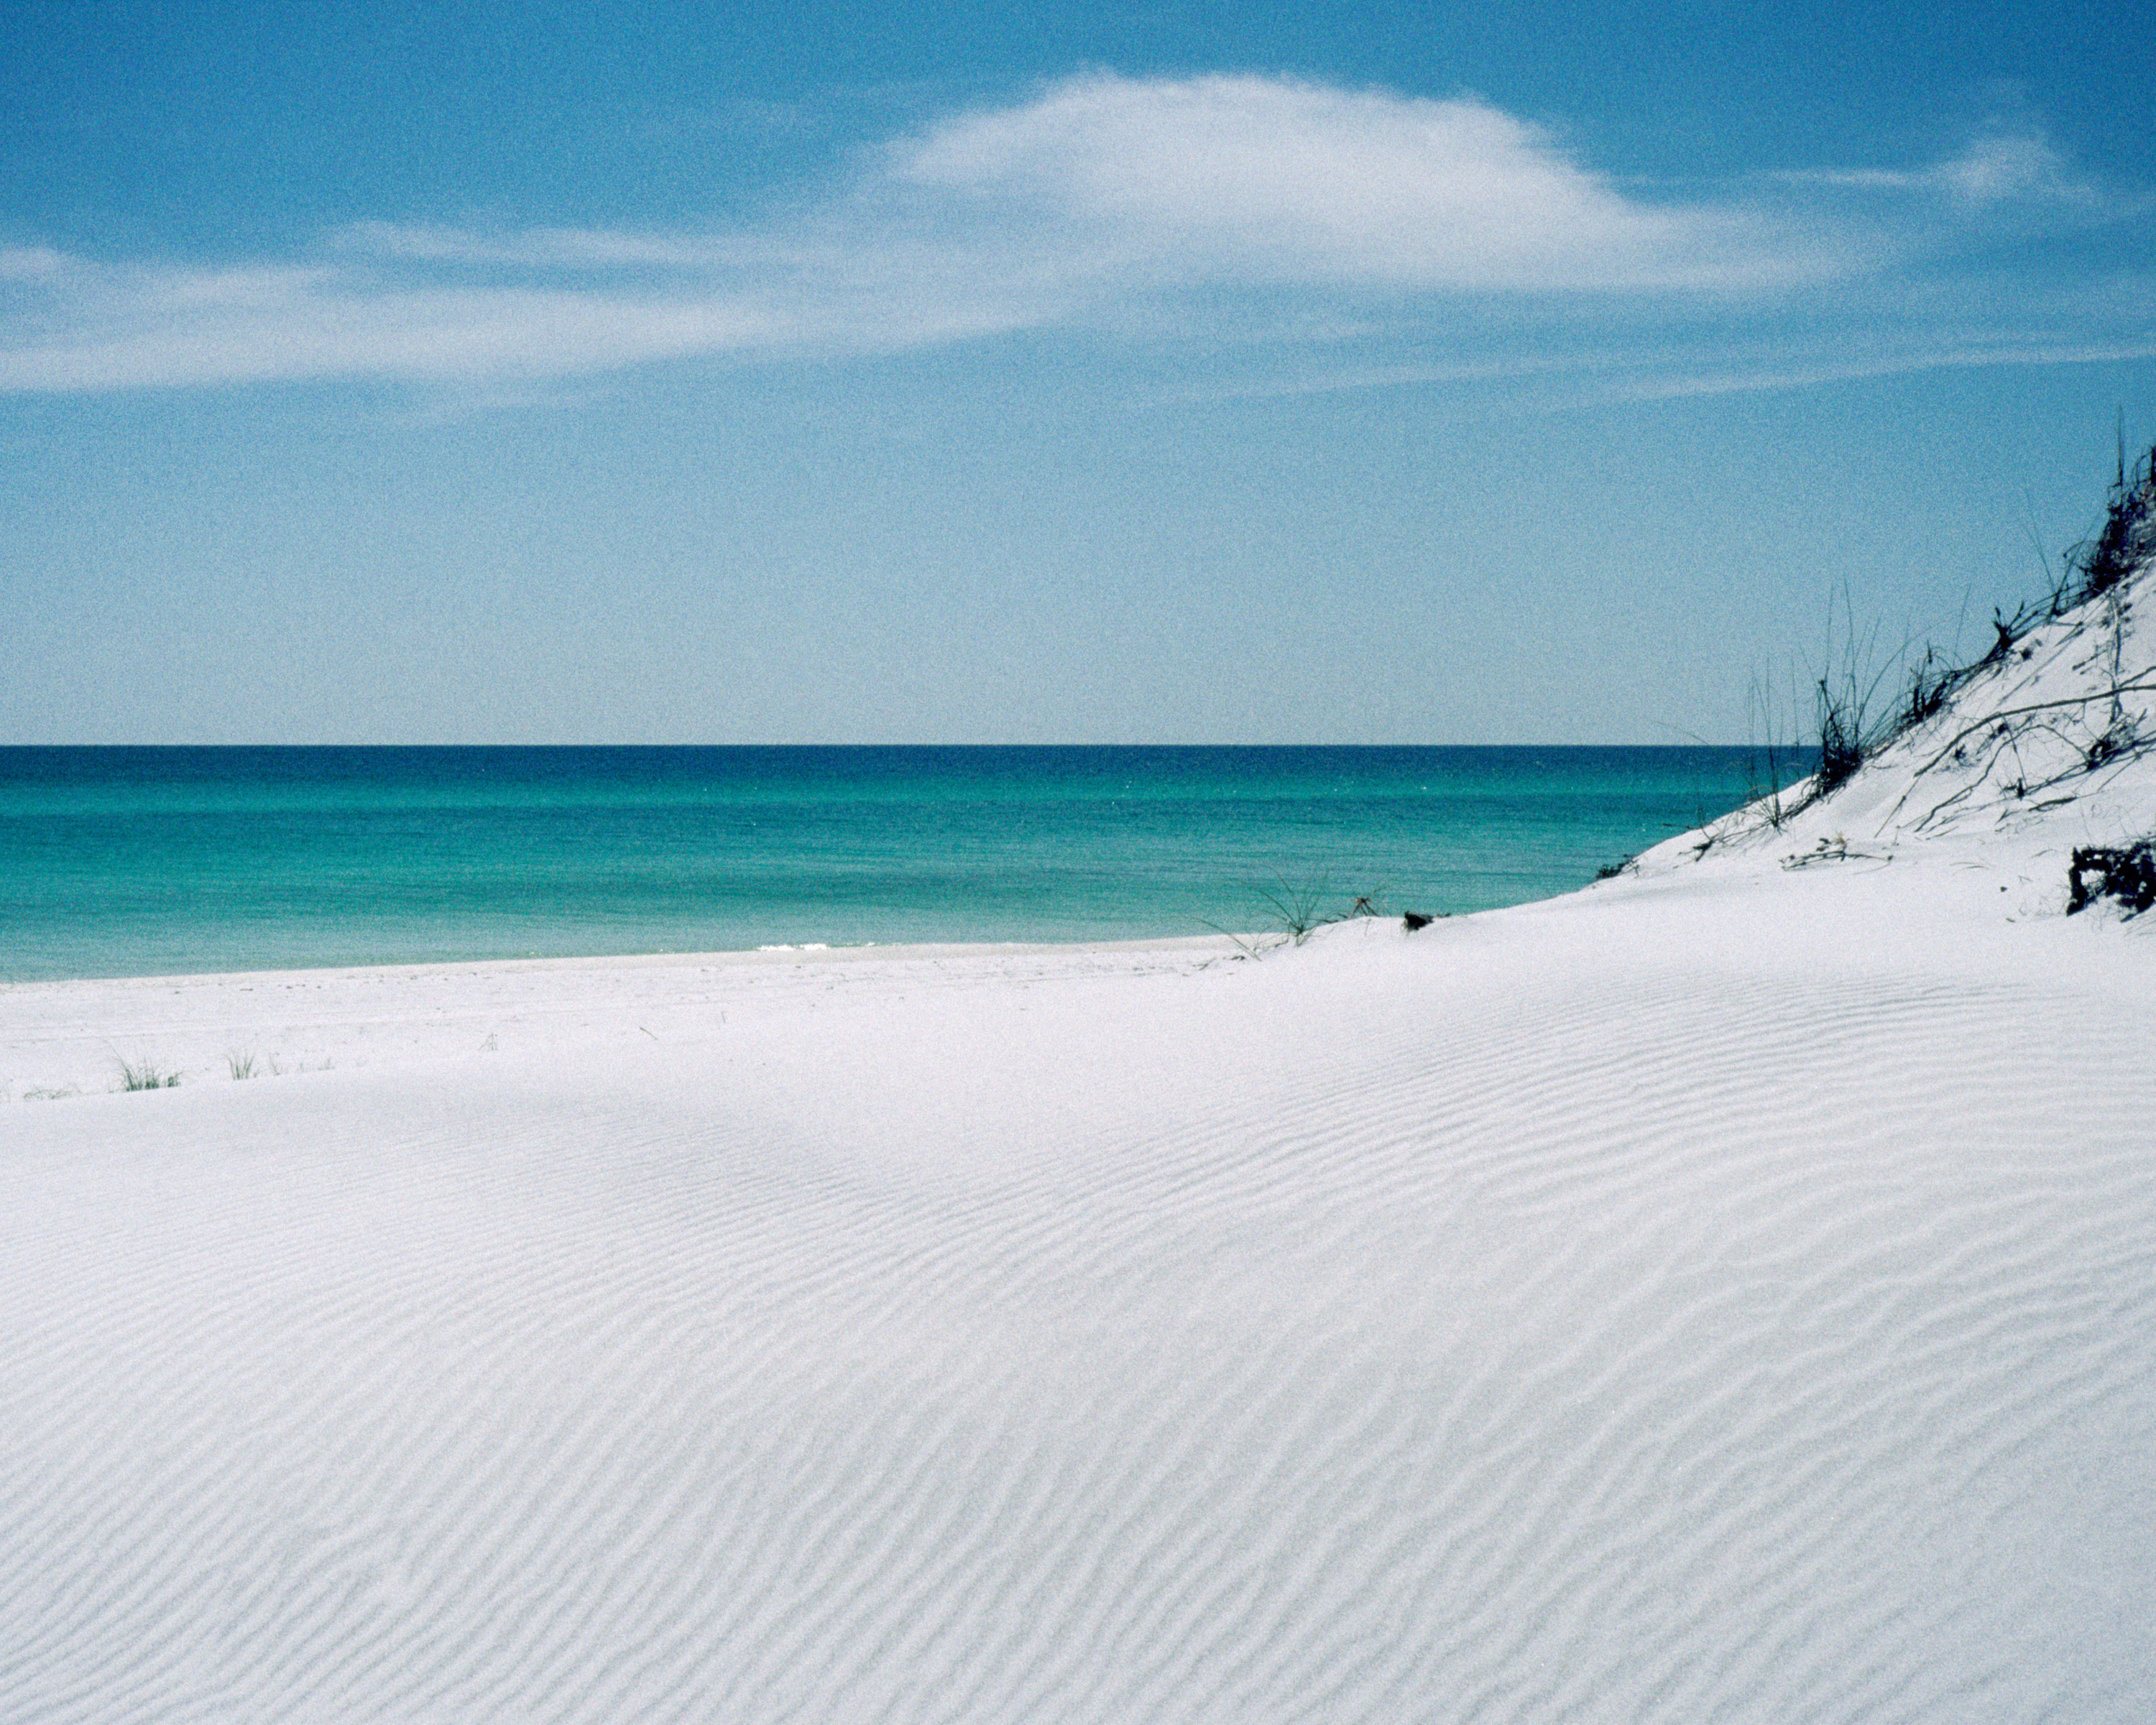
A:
1995, 169
1099, 197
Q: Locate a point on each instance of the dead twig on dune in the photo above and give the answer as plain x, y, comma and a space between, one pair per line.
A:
2138, 685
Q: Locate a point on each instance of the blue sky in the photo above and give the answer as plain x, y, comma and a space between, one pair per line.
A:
1173, 372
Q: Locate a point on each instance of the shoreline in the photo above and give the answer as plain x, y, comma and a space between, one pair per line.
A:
109, 874
777, 953
1948, 913
66, 1038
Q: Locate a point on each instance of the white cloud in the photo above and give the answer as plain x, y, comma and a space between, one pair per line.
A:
170, 327
23, 263
1245, 178
1102, 198
1995, 168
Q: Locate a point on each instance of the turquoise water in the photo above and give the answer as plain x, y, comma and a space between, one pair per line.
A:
128, 862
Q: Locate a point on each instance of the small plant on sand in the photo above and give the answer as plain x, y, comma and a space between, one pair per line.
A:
1845, 700
241, 1065
1851, 722
1931, 681
146, 1075
2127, 536
1841, 738
1246, 946
1297, 909
1773, 763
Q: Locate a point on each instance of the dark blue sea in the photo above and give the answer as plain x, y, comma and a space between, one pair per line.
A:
149, 861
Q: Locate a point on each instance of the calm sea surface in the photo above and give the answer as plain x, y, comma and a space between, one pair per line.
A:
143, 861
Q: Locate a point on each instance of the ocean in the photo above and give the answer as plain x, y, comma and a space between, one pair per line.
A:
157, 861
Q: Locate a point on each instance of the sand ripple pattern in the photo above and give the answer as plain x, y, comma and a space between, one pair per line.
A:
1400, 1337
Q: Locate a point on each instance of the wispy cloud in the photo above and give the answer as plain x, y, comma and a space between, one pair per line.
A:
1994, 169
1102, 201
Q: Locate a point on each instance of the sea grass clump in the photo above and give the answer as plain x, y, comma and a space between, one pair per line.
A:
2128, 538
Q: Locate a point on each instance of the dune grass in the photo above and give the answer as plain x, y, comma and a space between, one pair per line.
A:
145, 1074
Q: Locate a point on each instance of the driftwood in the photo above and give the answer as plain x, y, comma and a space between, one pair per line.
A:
2127, 872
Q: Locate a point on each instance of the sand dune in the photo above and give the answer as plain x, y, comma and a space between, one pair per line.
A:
1723, 1294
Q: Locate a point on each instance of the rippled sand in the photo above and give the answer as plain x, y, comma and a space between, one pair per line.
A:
1725, 1294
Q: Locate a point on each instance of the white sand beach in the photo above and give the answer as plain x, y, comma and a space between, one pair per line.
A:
1725, 1293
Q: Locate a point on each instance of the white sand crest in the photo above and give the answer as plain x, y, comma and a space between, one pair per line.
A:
1725, 1294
